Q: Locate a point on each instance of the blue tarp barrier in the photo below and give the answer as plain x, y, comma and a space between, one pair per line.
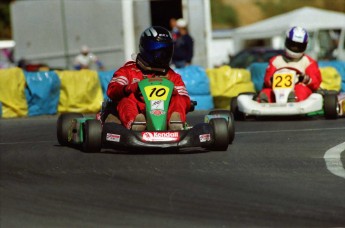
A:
205, 102
257, 72
195, 79
42, 92
104, 78
339, 66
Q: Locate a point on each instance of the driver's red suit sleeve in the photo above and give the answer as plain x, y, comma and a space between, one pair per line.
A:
269, 73
314, 73
120, 79
180, 102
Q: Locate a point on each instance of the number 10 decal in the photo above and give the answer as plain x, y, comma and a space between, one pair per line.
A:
157, 92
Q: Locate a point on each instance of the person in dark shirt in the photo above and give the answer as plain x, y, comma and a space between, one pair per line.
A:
183, 46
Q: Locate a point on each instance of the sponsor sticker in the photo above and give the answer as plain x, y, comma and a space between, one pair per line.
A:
157, 107
205, 137
157, 112
113, 137
157, 104
160, 136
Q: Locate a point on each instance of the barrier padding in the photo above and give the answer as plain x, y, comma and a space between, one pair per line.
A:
42, 92
331, 79
80, 91
104, 78
205, 102
229, 82
257, 72
195, 79
339, 66
12, 95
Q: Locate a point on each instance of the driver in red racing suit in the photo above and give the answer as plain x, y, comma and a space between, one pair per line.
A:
156, 49
310, 79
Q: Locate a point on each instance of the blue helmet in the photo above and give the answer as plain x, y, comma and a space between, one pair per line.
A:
296, 42
156, 49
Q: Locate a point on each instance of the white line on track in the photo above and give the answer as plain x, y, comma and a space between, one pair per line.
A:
294, 130
333, 160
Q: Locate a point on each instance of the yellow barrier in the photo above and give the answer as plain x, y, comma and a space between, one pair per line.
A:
227, 82
12, 95
80, 91
331, 79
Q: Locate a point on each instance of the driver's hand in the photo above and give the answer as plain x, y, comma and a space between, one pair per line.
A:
132, 88
305, 79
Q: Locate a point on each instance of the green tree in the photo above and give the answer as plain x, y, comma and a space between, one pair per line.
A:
5, 23
223, 16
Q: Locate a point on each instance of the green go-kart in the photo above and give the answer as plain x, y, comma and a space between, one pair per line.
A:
92, 134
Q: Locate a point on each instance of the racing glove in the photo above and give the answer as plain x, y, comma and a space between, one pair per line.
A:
305, 79
132, 88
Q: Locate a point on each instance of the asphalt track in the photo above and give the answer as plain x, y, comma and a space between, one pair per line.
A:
273, 175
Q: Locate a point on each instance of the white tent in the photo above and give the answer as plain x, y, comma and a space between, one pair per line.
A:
307, 17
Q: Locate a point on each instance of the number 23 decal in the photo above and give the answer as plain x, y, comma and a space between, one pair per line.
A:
282, 80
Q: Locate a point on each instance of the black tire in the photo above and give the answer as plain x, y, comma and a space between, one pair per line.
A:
238, 115
92, 136
231, 124
330, 106
221, 134
63, 124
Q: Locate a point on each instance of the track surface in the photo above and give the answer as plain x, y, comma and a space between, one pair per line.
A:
273, 175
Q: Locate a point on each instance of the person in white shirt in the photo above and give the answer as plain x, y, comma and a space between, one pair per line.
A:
86, 59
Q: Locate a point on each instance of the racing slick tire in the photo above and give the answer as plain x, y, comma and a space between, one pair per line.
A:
238, 115
63, 124
92, 136
221, 134
330, 106
231, 125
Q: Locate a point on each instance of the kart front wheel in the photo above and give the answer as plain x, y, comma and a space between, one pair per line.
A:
63, 125
231, 125
330, 106
92, 136
221, 134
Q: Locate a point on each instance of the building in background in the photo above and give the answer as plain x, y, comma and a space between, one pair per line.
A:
52, 32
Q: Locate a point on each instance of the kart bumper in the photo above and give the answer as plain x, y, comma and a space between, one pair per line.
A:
116, 136
248, 106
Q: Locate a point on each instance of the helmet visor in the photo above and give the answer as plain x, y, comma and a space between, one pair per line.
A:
295, 46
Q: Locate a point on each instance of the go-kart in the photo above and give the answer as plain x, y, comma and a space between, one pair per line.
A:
215, 133
319, 103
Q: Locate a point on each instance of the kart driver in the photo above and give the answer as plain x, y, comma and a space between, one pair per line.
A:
156, 50
310, 79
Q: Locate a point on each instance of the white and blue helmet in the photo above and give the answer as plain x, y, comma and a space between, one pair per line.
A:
296, 42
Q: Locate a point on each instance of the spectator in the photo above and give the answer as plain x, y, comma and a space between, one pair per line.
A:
86, 59
174, 30
183, 50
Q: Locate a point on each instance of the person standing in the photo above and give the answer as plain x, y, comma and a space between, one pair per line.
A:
86, 59
184, 45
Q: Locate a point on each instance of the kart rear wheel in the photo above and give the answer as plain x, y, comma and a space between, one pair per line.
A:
221, 134
231, 125
63, 125
330, 106
238, 115
92, 136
